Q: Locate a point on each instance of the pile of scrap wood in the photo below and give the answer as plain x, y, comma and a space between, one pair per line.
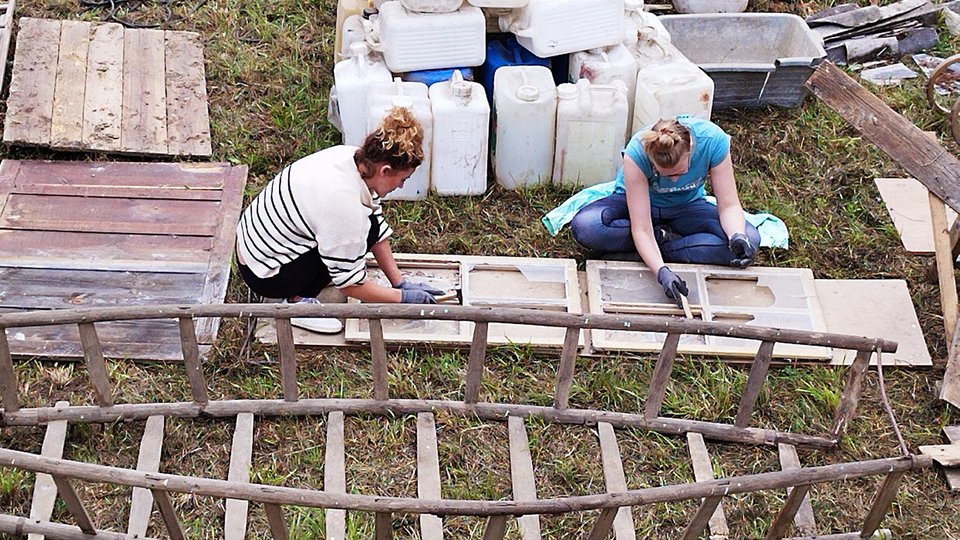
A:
855, 34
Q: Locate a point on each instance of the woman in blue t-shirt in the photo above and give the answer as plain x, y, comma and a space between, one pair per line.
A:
658, 208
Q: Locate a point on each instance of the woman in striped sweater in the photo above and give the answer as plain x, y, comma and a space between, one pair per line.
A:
315, 222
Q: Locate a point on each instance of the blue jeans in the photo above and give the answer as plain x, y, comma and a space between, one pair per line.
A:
604, 226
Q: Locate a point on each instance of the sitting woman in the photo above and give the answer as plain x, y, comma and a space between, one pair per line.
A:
314, 224
658, 208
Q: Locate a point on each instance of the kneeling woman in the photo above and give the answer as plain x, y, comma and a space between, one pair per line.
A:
314, 223
659, 209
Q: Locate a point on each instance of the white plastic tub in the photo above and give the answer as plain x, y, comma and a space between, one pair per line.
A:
413, 41
525, 109
552, 27
461, 128
591, 122
665, 91
412, 95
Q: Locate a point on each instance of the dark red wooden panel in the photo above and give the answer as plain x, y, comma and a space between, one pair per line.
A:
176, 175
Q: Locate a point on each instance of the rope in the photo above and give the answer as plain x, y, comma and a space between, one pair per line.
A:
117, 8
886, 404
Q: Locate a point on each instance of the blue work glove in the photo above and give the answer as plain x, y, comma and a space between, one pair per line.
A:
407, 285
743, 251
416, 296
672, 285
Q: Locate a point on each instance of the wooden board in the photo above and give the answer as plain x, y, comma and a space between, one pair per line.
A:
141, 504
428, 474
909, 208
101, 87
83, 234
952, 434
6, 31
615, 480
522, 477
334, 475
44, 489
235, 516
703, 472
805, 522
757, 296
875, 308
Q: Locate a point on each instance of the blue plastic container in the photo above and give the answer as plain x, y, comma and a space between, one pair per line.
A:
430, 76
505, 51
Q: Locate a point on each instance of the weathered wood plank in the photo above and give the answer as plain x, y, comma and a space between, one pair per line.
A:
66, 125
334, 475
496, 528
615, 479
603, 525
143, 127
702, 518
478, 354
428, 474
850, 397
758, 374
141, 504
169, 514
378, 357
522, 478
288, 359
96, 366
804, 520
30, 101
44, 488
565, 371
881, 502
8, 376
278, 527
950, 388
124, 175
121, 191
946, 277
661, 376
103, 95
74, 505
6, 31
191, 361
924, 158
703, 472
383, 525
235, 518
947, 455
781, 524
952, 434
188, 121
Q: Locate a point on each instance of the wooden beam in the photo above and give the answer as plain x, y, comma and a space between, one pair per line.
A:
478, 354
278, 527
383, 526
758, 374
169, 514
334, 476
701, 518
74, 505
17, 526
288, 359
235, 517
850, 397
952, 436
428, 474
661, 376
141, 503
804, 520
946, 276
947, 455
924, 158
603, 524
703, 472
522, 478
8, 376
783, 521
568, 361
881, 502
96, 366
44, 489
615, 480
496, 528
378, 357
191, 360
950, 389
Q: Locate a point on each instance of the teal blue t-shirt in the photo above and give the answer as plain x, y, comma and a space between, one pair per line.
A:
710, 147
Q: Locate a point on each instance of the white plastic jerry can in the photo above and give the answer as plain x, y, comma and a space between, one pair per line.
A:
352, 78
667, 90
413, 96
605, 65
552, 27
591, 122
641, 25
432, 6
525, 125
461, 127
345, 8
413, 41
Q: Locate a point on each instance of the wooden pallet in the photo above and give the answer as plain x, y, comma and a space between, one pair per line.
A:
102, 87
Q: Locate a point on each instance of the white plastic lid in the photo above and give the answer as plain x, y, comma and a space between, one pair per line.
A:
528, 93
632, 5
567, 91
403, 101
460, 89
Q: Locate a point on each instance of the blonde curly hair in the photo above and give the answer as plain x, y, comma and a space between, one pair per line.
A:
666, 142
397, 142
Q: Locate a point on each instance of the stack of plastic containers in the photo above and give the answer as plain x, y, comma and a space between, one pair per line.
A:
552, 27
604, 66
505, 52
381, 98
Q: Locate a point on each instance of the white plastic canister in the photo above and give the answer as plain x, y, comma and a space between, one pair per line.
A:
498, 4
413, 95
605, 65
413, 41
461, 127
525, 125
345, 8
667, 90
551, 27
641, 25
591, 122
353, 78
432, 6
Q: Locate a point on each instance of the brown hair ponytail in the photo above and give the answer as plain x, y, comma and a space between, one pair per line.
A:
666, 142
397, 142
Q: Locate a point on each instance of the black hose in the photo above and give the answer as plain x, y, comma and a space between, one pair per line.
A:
116, 10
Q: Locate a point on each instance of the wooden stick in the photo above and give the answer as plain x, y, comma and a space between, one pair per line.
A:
851, 392
478, 353
703, 472
384, 526
278, 528
334, 476
804, 520
701, 518
288, 359
191, 360
8, 376
44, 489
603, 525
615, 480
428, 474
148, 460
18, 526
950, 389
685, 304
496, 528
522, 477
786, 515
568, 361
168, 514
378, 355
661, 375
758, 374
96, 366
73, 503
235, 515
881, 502
945, 264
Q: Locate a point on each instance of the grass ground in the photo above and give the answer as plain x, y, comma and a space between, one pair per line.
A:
268, 70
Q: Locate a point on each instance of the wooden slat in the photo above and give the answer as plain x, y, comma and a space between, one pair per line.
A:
615, 479
8, 376
132, 192
758, 374
96, 366
947, 455
334, 475
521, 473
603, 525
74, 505
950, 388
952, 434
30, 101
661, 376
881, 502
850, 397
703, 472
383, 525
191, 361
66, 129
943, 250
235, 518
781, 524
103, 95
44, 488
496, 528
702, 518
52, 288
6, 30
428, 474
478, 354
288, 359
141, 504
144, 124
278, 527
169, 514
125, 175
565, 371
378, 356
804, 520
188, 121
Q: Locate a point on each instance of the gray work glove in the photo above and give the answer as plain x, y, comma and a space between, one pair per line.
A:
407, 285
672, 285
743, 251
416, 296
